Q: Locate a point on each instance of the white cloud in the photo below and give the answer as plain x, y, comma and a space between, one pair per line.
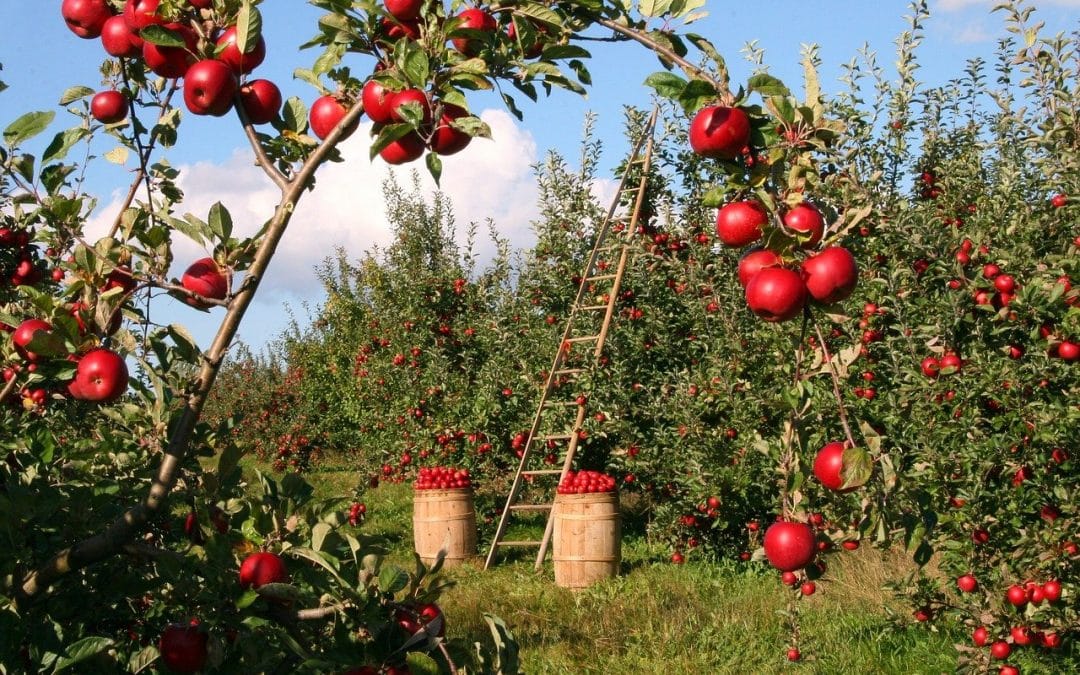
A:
972, 33
489, 179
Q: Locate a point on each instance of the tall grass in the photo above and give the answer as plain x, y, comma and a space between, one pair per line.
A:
657, 617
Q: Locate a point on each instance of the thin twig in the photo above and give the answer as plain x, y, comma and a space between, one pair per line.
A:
690, 69
835, 384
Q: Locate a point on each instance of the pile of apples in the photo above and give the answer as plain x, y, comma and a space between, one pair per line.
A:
442, 478
780, 278
582, 482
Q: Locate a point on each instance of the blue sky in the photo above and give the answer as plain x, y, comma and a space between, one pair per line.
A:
41, 58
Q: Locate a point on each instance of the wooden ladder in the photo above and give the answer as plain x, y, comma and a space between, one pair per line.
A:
632, 189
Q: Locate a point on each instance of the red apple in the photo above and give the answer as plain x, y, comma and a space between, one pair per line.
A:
806, 221
1068, 351
719, 132
1059, 200
403, 150
446, 140
118, 39
403, 10
29, 330
831, 275
1052, 590
101, 376
473, 19
209, 88
967, 583
261, 100
171, 62
951, 363
229, 53
141, 13
829, 466
754, 261
201, 4
1017, 596
325, 114
931, 366
109, 107
259, 569
183, 648
412, 95
85, 18
739, 223
980, 636
207, 279
776, 294
789, 546
1000, 650
376, 99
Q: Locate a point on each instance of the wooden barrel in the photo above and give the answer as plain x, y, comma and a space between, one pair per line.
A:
587, 538
444, 519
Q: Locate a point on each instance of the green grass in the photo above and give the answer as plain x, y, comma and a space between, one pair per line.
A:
661, 618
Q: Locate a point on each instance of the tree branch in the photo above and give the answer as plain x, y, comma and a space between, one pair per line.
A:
107, 543
690, 69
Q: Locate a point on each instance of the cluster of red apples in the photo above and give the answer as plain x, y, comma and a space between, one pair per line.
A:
777, 284
442, 478
212, 67
584, 482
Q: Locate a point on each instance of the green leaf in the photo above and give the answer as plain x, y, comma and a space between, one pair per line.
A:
767, 85
316, 557
220, 221
185, 343
161, 36
421, 664
295, 115
72, 94
26, 127
413, 62
654, 8
392, 579
434, 165
82, 650
715, 197
247, 599
118, 155
248, 27
391, 133
858, 466
318, 535
667, 85
63, 142
555, 52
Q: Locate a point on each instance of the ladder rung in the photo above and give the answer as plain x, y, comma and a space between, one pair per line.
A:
569, 371
541, 472
561, 404
532, 507
583, 338
556, 437
517, 543
601, 277
592, 308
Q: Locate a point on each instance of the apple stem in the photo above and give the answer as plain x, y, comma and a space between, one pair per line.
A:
835, 383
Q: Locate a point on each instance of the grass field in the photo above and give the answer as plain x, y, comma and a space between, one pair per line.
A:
657, 617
